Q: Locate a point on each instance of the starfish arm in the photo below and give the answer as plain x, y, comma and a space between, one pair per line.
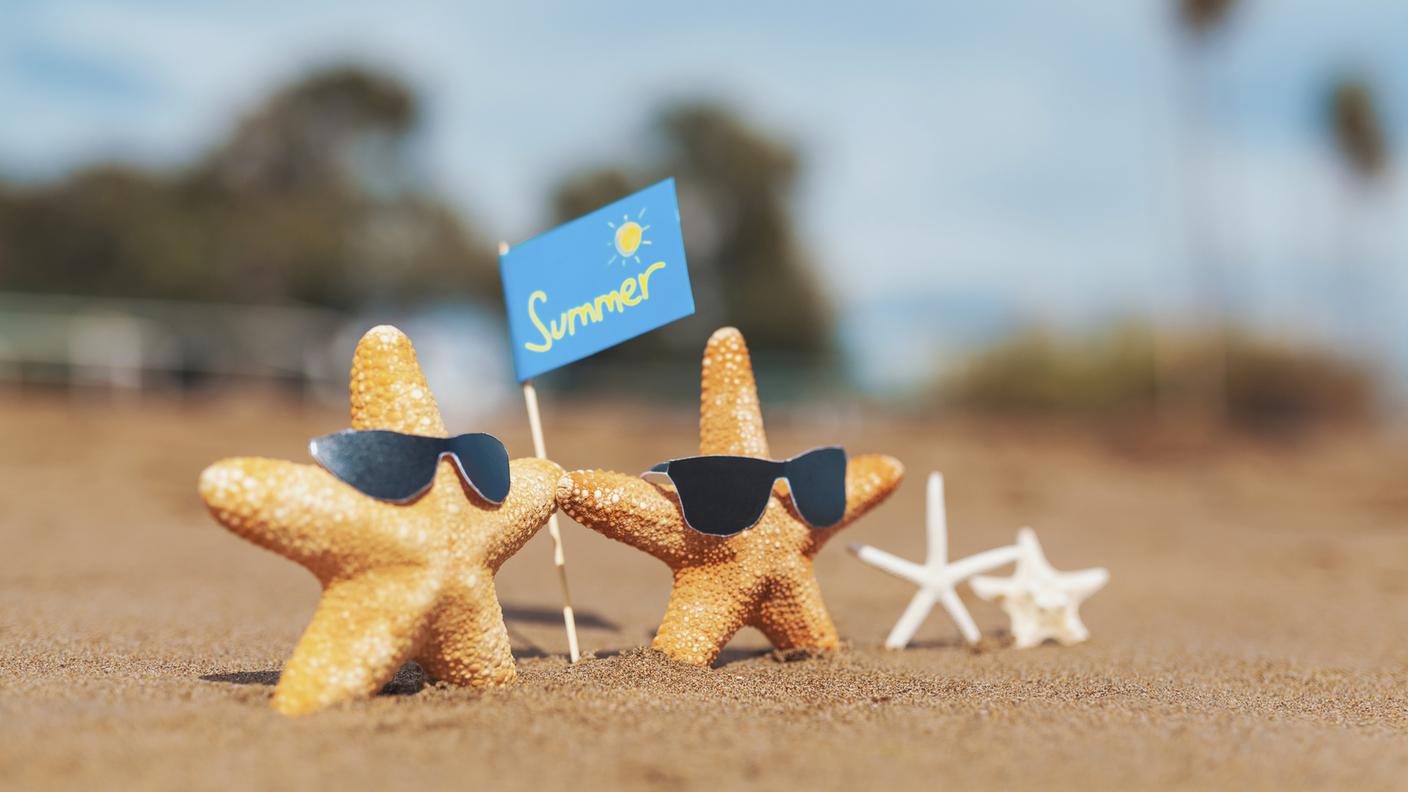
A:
793, 616
531, 500
630, 510
960, 615
892, 564
730, 418
467, 642
990, 588
985, 561
1085, 582
1073, 630
1030, 555
914, 615
365, 627
936, 521
870, 478
388, 386
706, 610
303, 513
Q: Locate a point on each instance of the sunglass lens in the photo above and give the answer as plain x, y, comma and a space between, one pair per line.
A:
385, 465
484, 462
818, 483
723, 495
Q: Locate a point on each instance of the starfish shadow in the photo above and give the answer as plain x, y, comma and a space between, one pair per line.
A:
726, 657
730, 655
939, 643
524, 647
270, 678
993, 640
534, 615
407, 682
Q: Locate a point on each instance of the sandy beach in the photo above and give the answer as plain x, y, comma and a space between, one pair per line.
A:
1254, 634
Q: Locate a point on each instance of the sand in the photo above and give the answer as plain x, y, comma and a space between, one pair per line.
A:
1254, 634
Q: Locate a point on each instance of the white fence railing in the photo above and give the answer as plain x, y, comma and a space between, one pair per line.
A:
136, 343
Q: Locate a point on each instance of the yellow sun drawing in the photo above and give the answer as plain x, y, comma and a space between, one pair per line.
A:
629, 238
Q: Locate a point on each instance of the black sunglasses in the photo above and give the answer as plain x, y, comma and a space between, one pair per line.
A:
397, 467
723, 495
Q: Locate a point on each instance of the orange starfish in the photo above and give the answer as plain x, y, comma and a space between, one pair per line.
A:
761, 577
400, 582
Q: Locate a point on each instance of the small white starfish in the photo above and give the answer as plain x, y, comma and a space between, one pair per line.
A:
1041, 602
937, 577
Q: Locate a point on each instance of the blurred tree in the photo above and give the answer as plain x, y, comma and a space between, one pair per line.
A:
1199, 21
586, 191
310, 198
746, 263
1352, 118
1104, 375
1203, 16
329, 131
1359, 134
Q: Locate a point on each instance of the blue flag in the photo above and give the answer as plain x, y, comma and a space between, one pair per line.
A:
596, 281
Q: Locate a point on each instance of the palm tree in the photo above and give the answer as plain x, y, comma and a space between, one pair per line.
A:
1353, 120
1200, 21
1358, 132
1200, 17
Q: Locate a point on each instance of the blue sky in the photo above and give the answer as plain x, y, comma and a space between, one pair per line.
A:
1016, 160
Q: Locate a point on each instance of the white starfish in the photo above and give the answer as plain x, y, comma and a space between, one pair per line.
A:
1041, 602
937, 577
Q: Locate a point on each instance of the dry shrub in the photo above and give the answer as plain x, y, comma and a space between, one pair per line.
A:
1119, 372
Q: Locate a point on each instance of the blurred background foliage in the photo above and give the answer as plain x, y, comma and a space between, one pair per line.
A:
313, 199
310, 199
1113, 372
1358, 129
746, 263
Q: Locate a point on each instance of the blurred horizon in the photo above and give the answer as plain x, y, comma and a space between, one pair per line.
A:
961, 175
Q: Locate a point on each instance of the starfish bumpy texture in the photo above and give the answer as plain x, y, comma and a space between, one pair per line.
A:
400, 581
761, 577
1042, 602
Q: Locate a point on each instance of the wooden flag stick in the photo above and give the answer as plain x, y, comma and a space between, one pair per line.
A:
559, 559
530, 396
